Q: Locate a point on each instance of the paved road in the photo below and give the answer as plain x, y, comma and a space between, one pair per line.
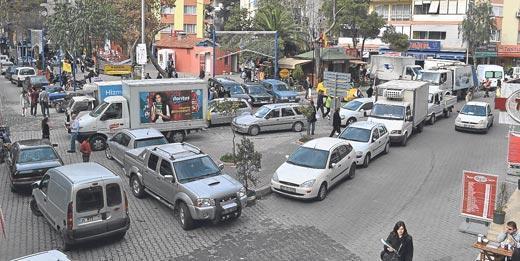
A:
419, 184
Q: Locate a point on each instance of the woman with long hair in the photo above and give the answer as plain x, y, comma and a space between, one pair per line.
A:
401, 244
160, 110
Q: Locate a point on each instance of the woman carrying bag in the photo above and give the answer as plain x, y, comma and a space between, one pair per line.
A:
399, 245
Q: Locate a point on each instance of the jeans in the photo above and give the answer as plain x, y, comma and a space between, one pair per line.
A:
45, 108
311, 127
73, 138
34, 108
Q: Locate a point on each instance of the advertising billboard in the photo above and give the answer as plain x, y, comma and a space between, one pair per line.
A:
157, 107
478, 195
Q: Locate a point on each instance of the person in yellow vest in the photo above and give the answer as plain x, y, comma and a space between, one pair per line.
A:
328, 104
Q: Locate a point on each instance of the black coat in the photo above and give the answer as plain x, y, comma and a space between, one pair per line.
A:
319, 103
406, 243
45, 130
336, 120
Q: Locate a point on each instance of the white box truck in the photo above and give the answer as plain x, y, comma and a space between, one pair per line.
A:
402, 106
173, 106
453, 80
101, 90
387, 68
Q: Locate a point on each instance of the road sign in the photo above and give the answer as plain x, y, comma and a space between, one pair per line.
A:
478, 195
334, 80
140, 54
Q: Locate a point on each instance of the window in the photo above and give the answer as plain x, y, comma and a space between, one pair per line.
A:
497, 10
335, 157
125, 140
287, 112
226, 60
242, 104
434, 7
437, 35
44, 184
375, 134
367, 106
115, 111
343, 151
117, 138
421, 8
382, 130
420, 35
495, 36
400, 12
298, 110
89, 199
429, 35
113, 194
190, 10
152, 162
190, 28
167, 10
274, 113
166, 168
382, 10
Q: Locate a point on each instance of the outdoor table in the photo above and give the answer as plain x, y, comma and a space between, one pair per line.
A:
487, 252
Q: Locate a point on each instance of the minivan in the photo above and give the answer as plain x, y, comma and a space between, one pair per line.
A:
491, 72
83, 201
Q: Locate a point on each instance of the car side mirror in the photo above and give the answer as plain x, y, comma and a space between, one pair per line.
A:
36, 185
221, 166
490, 114
374, 139
333, 165
169, 178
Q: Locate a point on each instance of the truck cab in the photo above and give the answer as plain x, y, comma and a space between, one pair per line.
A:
441, 78
439, 104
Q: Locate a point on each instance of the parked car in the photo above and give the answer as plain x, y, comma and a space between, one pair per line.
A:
34, 82
10, 71
196, 190
475, 116
83, 202
314, 168
282, 116
257, 93
21, 72
356, 110
216, 114
128, 139
231, 88
29, 160
4, 66
369, 139
280, 91
51, 255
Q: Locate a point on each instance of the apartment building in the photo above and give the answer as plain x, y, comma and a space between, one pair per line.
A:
507, 36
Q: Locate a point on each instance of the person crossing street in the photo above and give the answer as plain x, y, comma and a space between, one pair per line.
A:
336, 123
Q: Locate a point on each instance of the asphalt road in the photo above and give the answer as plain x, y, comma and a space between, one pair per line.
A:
419, 184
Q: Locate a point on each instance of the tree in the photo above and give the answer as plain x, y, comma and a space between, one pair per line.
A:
477, 26
238, 20
248, 162
20, 16
398, 41
370, 28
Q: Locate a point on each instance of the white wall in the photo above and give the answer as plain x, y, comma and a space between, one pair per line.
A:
452, 35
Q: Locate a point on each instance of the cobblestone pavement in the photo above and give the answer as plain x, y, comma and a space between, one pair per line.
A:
419, 184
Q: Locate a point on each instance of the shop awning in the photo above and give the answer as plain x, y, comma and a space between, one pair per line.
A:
290, 63
357, 62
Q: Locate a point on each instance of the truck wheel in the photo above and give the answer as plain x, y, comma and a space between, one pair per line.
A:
432, 119
185, 217
98, 143
254, 130
34, 208
297, 127
137, 187
178, 136
405, 139
447, 113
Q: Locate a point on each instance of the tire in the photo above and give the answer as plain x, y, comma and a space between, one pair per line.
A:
178, 137
322, 193
405, 140
420, 127
447, 113
297, 127
137, 187
108, 153
366, 161
432, 119
98, 143
387, 148
254, 130
184, 217
352, 171
351, 120
35, 209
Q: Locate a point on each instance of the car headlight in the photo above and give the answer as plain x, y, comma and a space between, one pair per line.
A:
205, 202
396, 132
275, 177
308, 183
242, 192
481, 122
457, 120
359, 154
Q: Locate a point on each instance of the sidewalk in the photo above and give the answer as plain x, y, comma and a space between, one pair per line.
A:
512, 214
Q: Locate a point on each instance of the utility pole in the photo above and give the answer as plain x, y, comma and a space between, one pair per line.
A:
142, 34
317, 44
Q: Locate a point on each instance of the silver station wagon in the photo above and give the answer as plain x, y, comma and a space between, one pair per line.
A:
272, 117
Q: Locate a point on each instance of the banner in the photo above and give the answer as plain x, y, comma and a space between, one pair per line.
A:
478, 195
111, 69
166, 106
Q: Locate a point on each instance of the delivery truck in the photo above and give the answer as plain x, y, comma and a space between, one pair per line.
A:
175, 107
402, 106
101, 90
454, 80
386, 68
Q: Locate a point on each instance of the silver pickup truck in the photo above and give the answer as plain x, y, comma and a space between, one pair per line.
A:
439, 104
185, 179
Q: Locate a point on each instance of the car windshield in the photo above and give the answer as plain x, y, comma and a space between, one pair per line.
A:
431, 77
418, 72
99, 109
257, 90
236, 89
355, 134
150, 142
26, 72
36, 154
474, 110
352, 105
281, 87
387, 111
262, 112
193, 169
309, 157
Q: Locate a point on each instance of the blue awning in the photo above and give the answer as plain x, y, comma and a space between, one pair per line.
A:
451, 55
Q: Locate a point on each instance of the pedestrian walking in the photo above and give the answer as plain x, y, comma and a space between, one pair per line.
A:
487, 87
159, 76
43, 98
319, 103
85, 150
202, 74
34, 101
307, 86
25, 102
336, 123
147, 76
401, 244
499, 84
311, 119
74, 131
45, 128
328, 103
370, 91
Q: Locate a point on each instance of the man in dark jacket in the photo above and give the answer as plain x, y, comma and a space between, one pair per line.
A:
336, 122
370, 91
306, 86
311, 120
319, 103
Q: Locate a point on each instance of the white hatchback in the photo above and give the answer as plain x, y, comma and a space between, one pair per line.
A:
356, 110
369, 139
314, 168
475, 116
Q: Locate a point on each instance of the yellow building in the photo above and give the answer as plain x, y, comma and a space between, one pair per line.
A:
507, 13
187, 16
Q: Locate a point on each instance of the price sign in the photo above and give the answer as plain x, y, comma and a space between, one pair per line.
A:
478, 195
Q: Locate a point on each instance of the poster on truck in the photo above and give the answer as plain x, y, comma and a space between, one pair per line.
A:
157, 107
478, 195
463, 78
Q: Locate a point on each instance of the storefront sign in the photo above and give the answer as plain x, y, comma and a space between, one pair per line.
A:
478, 195
508, 51
489, 50
110, 69
424, 45
157, 107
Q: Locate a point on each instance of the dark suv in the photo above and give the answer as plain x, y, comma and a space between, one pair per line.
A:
29, 160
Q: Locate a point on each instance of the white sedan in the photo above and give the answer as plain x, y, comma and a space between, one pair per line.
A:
475, 116
314, 168
369, 139
356, 110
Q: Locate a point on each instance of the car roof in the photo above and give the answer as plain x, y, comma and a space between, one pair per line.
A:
82, 172
477, 103
176, 151
25, 68
225, 80
364, 125
83, 98
402, 84
364, 100
324, 143
281, 105
144, 133
273, 81
227, 99
33, 143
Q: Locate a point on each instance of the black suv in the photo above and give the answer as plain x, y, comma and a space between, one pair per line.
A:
29, 160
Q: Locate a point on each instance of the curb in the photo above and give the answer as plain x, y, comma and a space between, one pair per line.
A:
263, 191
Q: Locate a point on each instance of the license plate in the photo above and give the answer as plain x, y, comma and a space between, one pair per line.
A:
287, 189
468, 126
229, 207
91, 219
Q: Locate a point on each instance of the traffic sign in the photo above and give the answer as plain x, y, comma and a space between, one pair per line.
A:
333, 80
141, 54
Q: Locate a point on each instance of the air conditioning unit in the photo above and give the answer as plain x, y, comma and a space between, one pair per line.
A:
518, 14
393, 94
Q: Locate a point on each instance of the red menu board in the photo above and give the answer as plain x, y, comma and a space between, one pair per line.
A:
478, 195
513, 153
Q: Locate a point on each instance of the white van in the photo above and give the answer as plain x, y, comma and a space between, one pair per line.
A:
83, 201
491, 72
21, 73
4, 58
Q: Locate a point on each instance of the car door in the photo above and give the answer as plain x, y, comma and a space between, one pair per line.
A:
114, 144
337, 164
40, 195
375, 142
123, 146
150, 176
166, 186
269, 88
365, 110
288, 118
272, 120
408, 125
112, 119
383, 135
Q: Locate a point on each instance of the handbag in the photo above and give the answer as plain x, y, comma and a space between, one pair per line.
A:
391, 256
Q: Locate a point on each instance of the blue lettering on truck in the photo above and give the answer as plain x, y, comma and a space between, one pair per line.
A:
110, 90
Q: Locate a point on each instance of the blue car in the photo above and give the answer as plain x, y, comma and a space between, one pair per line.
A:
280, 91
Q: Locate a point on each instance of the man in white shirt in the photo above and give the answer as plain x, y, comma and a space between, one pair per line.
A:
74, 131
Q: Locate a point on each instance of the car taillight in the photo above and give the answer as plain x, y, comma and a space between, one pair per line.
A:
126, 203
70, 221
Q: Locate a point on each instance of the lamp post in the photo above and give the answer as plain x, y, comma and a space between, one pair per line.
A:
142, 34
